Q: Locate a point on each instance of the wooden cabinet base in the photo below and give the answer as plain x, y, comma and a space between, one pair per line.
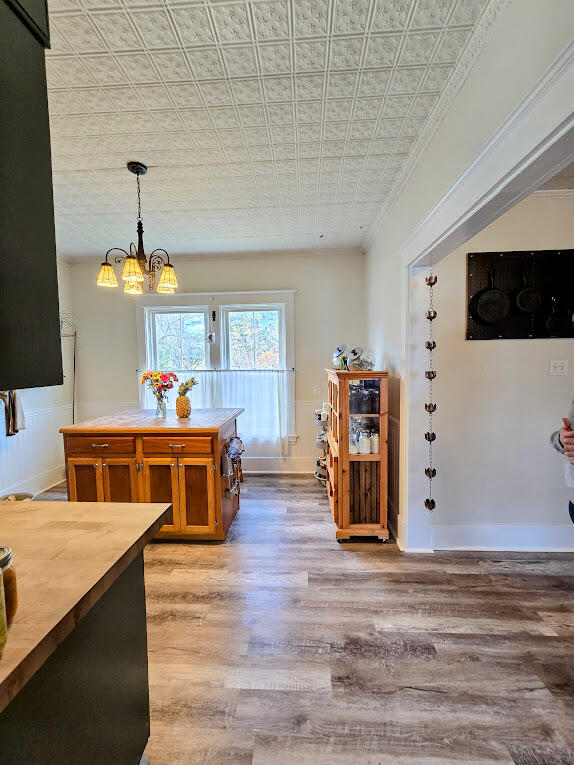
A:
172, 460
362, 531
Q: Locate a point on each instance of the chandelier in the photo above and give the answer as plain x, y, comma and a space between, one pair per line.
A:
136, 264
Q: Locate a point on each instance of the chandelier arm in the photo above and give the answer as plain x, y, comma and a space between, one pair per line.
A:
117, 259
156, 261
159, 249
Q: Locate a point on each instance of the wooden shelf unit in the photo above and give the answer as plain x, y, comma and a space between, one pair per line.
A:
356, 483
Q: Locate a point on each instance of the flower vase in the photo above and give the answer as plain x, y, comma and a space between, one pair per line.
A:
161, 409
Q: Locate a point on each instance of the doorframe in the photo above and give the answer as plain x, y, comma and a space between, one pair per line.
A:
533, 144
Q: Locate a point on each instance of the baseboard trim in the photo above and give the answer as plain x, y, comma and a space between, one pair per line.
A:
279, 464
504, 537
38, 483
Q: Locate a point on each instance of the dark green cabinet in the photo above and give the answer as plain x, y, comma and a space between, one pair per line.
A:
30, 349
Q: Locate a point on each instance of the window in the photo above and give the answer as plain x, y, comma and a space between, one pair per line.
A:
179, 340
240, 349
253, 337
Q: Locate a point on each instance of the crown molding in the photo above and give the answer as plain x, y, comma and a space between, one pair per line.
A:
474, 47
556, 78
240, 254
553, 193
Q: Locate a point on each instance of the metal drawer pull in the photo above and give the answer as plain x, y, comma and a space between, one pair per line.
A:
99, 446
177, 446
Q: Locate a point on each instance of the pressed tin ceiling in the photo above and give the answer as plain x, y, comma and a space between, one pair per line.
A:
271, 124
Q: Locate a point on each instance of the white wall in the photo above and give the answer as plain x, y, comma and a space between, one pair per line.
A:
33, 459
329, 309
500, 79
497, 403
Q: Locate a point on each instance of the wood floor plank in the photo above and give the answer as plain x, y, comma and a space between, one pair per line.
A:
282, 647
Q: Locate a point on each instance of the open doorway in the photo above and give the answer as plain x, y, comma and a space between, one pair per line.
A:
499, 484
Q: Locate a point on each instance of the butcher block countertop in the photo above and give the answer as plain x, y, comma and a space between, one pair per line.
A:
66, 556
144, 421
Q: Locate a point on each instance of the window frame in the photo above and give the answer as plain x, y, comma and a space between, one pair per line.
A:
151, 338
213, 301
224, 312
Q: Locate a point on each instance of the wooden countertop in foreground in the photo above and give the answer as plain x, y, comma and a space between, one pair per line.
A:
66, 555
144, 420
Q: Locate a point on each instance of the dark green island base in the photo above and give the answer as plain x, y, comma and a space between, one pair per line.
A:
74, 670
89, 702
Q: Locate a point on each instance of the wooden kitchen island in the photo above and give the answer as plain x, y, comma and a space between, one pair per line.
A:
132, 456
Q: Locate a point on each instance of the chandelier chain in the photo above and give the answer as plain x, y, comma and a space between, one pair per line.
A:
139, 198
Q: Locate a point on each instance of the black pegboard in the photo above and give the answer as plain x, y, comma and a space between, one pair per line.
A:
549, 271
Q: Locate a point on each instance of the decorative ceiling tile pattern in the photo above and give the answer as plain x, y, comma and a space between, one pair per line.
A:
265, 124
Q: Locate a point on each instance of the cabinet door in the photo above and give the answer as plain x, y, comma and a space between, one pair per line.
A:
30, 345
120, 480
160, 485
197, 495
85, 479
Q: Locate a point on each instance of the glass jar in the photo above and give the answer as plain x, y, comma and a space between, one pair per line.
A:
353, 443
3, 621
363, 401
353, 397
364, 442
9, 581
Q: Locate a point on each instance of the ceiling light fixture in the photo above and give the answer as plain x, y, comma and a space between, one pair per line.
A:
136, 263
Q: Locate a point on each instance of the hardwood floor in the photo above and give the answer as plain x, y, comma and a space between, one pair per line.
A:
282, 647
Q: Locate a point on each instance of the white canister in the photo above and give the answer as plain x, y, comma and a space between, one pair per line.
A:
375, 443
364, 443
353, 449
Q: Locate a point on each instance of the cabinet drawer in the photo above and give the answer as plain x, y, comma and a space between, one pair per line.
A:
177, 445
82, 446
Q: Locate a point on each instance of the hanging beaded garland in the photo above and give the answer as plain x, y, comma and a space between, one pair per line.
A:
430, 374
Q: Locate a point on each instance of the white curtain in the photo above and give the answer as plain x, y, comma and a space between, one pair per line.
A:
268, 397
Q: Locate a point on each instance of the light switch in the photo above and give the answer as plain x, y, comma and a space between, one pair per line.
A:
558, 367
316, 390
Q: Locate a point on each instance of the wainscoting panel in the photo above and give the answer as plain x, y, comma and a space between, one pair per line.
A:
33, 459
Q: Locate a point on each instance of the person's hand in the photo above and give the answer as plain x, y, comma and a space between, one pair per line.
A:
567, 439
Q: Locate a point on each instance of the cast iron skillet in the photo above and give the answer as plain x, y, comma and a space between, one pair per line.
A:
558, 323
489, 305
528, 299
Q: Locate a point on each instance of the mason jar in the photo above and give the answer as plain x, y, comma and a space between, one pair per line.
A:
3, 620
9, 580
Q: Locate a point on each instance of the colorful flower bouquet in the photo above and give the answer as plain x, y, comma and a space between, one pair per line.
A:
159, 383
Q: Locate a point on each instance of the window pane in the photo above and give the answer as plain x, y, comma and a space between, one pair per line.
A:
254, 340
180, 340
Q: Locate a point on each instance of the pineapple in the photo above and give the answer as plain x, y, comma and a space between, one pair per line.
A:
182, 407
182, 403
